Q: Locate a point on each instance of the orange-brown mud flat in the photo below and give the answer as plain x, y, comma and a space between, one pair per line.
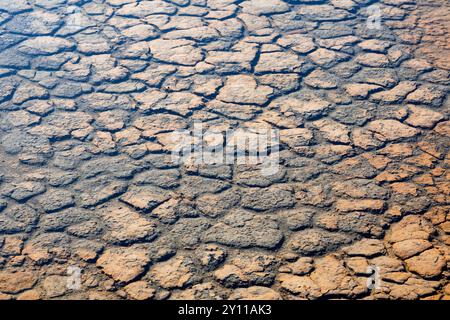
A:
94, 206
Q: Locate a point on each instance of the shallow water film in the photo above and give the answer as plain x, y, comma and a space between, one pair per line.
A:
224, 149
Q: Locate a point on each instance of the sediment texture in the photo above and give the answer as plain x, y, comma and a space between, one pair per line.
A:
89, 91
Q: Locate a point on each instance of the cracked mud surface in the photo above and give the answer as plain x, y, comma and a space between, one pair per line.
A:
89, 91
